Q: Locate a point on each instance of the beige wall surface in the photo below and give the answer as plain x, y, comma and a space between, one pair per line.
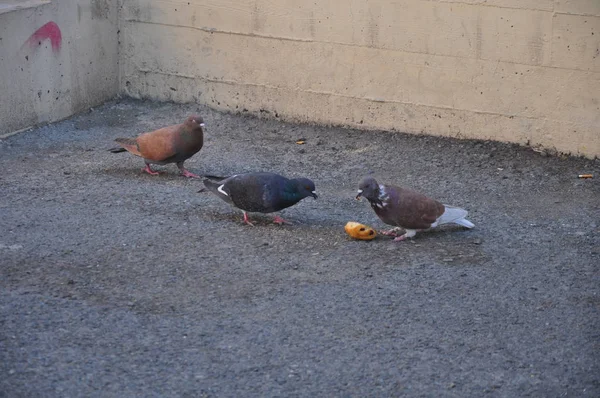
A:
524, 71
56, 58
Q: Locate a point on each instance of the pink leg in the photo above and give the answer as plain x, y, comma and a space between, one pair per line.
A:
281, 221
186, 173
148, 170
391, 232
246, 220
408, 234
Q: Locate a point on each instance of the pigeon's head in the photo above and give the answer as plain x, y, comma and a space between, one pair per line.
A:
305, 188
194, 122
369, 188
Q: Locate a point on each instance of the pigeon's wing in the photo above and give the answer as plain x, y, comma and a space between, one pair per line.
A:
255, 192
409, 209
159, 145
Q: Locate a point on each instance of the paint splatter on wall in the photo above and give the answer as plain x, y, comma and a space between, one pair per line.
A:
48, 31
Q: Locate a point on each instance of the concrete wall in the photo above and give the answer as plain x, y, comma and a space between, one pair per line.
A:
56, 59
525, 71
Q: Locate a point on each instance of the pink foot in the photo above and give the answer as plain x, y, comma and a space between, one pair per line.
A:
391, 232
409, 233
188, 174
246, 220
281, 221
148, 170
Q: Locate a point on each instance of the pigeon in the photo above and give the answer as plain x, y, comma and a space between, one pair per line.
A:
262, 192
408, 209
172, 144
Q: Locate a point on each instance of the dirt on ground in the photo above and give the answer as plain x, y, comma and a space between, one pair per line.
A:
117, 283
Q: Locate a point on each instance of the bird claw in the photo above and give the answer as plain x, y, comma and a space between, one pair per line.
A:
246, 220
188, 174
409, 233
148, 170
281, 221
391, 232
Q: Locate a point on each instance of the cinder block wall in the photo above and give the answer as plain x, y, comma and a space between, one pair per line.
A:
57, 57
524, 71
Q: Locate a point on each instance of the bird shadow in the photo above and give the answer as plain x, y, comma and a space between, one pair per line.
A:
424, 235
257, 219
163, 173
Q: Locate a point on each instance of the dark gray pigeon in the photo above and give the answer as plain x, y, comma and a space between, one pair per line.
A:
262, 192
408, 209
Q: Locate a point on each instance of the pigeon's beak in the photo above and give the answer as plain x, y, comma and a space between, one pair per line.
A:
360, 192
314, 194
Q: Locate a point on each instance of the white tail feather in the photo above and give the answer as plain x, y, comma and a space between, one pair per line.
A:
465, 223
454, 215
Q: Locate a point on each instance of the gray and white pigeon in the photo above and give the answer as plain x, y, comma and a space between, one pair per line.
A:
408, 209
262, 192
171, 144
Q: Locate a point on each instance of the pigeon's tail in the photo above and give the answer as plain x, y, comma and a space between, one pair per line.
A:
217, 188
211, 185
126, 141
465, 223
218, 178
127, 144
454, 215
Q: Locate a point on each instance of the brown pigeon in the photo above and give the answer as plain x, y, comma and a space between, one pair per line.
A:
408, 209
172, 144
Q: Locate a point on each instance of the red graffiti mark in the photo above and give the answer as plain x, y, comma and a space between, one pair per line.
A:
49, 31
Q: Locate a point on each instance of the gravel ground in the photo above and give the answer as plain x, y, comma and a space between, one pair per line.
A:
117, 283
